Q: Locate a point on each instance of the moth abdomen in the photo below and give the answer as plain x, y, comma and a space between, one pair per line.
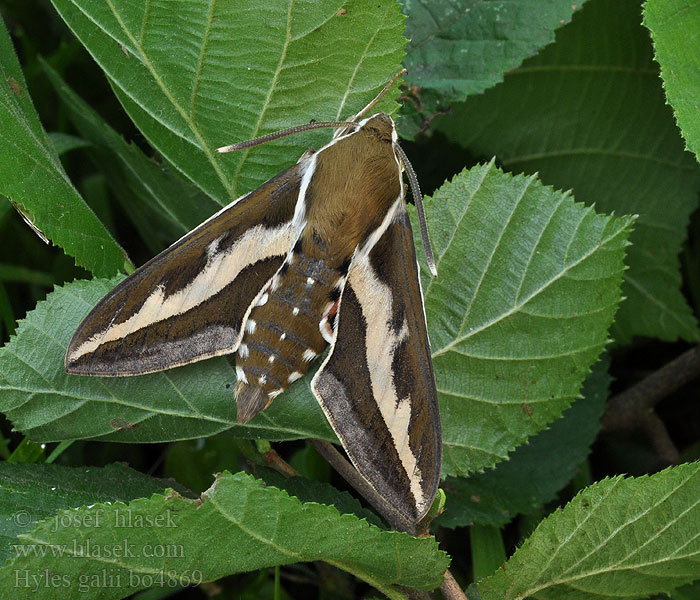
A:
251, 400
282, 332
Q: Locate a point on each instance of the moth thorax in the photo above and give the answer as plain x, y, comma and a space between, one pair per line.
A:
282, 333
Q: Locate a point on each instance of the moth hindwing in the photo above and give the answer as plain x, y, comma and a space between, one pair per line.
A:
320, 254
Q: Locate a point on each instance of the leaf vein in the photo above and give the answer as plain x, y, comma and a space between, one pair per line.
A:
535, 292
273, 83
203, 145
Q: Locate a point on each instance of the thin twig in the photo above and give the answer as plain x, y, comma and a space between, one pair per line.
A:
626, 409
450, 589
634, 408
276, 462
658, 435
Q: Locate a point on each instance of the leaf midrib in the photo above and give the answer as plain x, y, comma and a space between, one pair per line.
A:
611, 568
203, 146
271, 90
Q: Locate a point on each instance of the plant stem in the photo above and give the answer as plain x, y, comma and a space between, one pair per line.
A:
58, 450
276, 462
450, 588
634, 408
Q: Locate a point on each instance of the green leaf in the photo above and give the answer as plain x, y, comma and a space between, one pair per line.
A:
31, 175
64, 143
621, 538
488, 551
195, 76
10, 272
619, 150
261, 526
536, 471
187, 402
310, 490
192, 462
30, 493
687, 592
460, 48
7, 315
27, 452
528, 285
675, 29
155, 199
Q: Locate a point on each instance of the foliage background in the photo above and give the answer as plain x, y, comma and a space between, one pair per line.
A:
586, 112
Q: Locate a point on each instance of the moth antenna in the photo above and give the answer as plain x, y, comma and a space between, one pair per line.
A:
263, 139
418, 200
379, 95
351, 122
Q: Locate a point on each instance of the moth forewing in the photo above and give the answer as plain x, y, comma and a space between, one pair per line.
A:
188, 303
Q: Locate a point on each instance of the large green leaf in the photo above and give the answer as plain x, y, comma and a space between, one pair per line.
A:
32, 492
536, 471
195, 76
459, 48
529, 283
588, 113
675, 29
32, 177
237, 525
161, 204
619, 538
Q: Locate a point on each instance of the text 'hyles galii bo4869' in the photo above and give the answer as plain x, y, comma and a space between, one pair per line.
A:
320, 254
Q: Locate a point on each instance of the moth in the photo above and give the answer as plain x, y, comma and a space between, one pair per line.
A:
321, 254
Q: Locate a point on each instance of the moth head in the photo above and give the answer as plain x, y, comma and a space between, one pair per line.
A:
381, 126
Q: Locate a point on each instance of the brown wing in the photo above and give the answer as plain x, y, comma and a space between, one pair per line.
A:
189, 302
377, 386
